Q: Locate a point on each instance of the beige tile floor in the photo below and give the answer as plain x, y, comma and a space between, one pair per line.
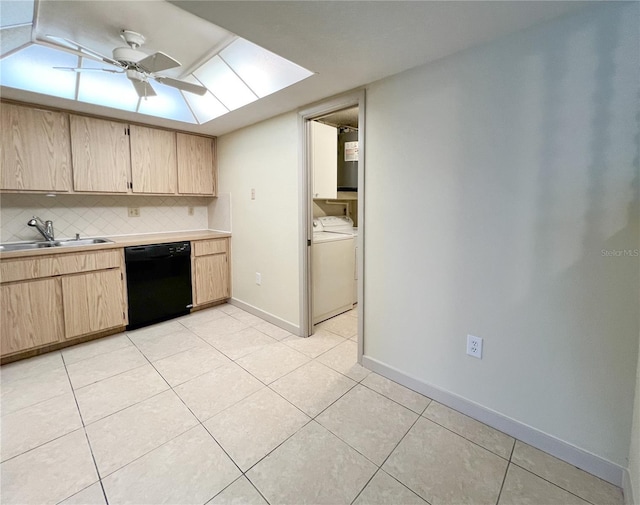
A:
222, 407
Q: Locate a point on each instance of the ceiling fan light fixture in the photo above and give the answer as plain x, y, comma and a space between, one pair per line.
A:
134, 75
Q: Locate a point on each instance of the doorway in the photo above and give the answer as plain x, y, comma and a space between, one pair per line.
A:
344, 118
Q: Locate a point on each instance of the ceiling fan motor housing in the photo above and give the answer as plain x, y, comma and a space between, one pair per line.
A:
128, 55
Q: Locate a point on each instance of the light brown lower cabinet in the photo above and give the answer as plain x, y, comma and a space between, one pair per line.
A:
31, 314
92, 302
53, 299
211, 272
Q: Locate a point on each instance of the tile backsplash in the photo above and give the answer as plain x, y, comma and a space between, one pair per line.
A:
97, 215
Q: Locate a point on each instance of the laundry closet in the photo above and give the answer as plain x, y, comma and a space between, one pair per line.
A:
334, 155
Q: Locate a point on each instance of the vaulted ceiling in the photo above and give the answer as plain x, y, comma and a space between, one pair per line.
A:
347, 44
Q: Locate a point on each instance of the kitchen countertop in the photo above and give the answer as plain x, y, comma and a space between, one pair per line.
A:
120, 242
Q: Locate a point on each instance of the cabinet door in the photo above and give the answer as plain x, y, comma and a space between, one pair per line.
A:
100, 155
92, 302
211, 278
324, 160
36, 152
196, 165
153, 160
30, 315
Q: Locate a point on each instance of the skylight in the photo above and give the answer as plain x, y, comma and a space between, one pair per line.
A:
32, 69
16, 12
240, 73
169, 103
263, 71
104, 88
224, 84
206, 107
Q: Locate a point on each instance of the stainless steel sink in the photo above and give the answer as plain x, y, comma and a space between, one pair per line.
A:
25, 246
28, 246
82, 241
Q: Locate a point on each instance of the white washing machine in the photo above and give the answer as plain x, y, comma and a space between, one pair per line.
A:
333, 266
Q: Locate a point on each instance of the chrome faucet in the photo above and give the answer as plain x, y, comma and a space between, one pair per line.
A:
45, 228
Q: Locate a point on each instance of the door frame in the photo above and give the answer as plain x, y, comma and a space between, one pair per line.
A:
305, 116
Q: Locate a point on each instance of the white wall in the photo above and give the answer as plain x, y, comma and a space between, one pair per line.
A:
495, 179
99, 215
265, 230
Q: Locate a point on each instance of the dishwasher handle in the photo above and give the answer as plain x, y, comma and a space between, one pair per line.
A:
157, 251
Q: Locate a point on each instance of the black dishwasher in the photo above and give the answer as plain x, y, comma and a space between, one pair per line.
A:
158, 282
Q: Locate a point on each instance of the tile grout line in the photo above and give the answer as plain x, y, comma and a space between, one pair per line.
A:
200, 423
86, 435
274, 380
122, 334
391, 452
468, 439
395, 401
109, 377
257, 490
275, 341
504, 479
506, 472
231, 484
378, 470
340, 438
265, 385
311, 419
552, 483
172, 438
405, 486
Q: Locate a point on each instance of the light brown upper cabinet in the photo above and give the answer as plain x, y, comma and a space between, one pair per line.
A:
53, 152
153, 160
36, 153
196, 169
100, 155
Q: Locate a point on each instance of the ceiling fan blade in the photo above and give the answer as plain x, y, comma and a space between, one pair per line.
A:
84, 51
143, 88
183, 85
81, 69
158, 62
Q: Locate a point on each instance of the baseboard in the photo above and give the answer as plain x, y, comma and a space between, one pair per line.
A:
600, 467
281, 323
627, 488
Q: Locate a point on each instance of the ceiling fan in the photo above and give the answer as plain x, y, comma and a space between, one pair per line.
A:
138, 66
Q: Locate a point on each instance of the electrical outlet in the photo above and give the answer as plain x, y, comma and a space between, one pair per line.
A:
253, 193
258, 279
134, 211
474, 346
190, 211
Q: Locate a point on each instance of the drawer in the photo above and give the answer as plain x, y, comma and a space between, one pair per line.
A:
205, 247
58, 264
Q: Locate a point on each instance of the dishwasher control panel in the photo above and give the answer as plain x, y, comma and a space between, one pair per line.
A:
179, 248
